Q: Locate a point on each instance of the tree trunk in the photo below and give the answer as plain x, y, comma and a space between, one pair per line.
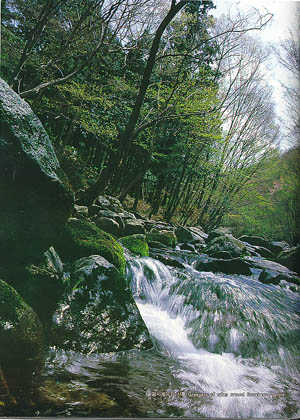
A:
125, 139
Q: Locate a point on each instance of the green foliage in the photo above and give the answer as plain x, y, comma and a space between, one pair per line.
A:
269, 205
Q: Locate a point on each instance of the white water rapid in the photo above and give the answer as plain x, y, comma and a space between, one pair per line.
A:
226, 381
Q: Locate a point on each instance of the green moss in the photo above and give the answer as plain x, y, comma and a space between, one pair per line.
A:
11, 303
21, 337
82, 239
136, 244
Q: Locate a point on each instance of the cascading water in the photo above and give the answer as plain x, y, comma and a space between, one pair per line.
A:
224, 346
235, 339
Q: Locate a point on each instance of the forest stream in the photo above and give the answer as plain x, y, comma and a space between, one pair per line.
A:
224, 346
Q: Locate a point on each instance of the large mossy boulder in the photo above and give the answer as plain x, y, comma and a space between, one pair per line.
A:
81, 238
21, 348
226, 243
35, 198
99, 314
136, 244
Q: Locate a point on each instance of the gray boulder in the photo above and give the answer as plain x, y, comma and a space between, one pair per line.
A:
226, 243
264, 252
254, 240
188, 247
277, 247
106, 202
133, 226
261, 245
165, 237
269, 265
228, 266
35, 198
108, 225
290, 258
267, 277
99, 314
167, 260
81, 212
217, 232
186, 235
199, 231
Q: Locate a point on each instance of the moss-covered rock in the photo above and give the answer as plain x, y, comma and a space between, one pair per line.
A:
61, 394
21, 338
99, 314
165, 237
136, 244
82, 238
35, 198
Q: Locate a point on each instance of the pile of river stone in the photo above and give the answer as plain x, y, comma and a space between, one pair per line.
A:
62, 266
219, 251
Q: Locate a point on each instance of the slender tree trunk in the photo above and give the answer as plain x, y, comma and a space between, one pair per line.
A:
125, 139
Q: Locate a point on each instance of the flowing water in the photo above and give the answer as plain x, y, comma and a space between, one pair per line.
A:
224, 346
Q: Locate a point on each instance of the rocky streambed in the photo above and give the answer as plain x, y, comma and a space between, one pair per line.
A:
75, 328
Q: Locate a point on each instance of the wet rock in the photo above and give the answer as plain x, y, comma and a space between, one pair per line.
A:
264, 252
35, 198
232, 266
269, 265
267, 277
277, 247
261, 245
290, 258
188, 247
59, 395
289, 278
225, 255
21, 350
99, 315
167, 260
254, 240
226, 243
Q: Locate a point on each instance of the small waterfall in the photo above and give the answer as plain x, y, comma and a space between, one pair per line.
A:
236, 340
225, 346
